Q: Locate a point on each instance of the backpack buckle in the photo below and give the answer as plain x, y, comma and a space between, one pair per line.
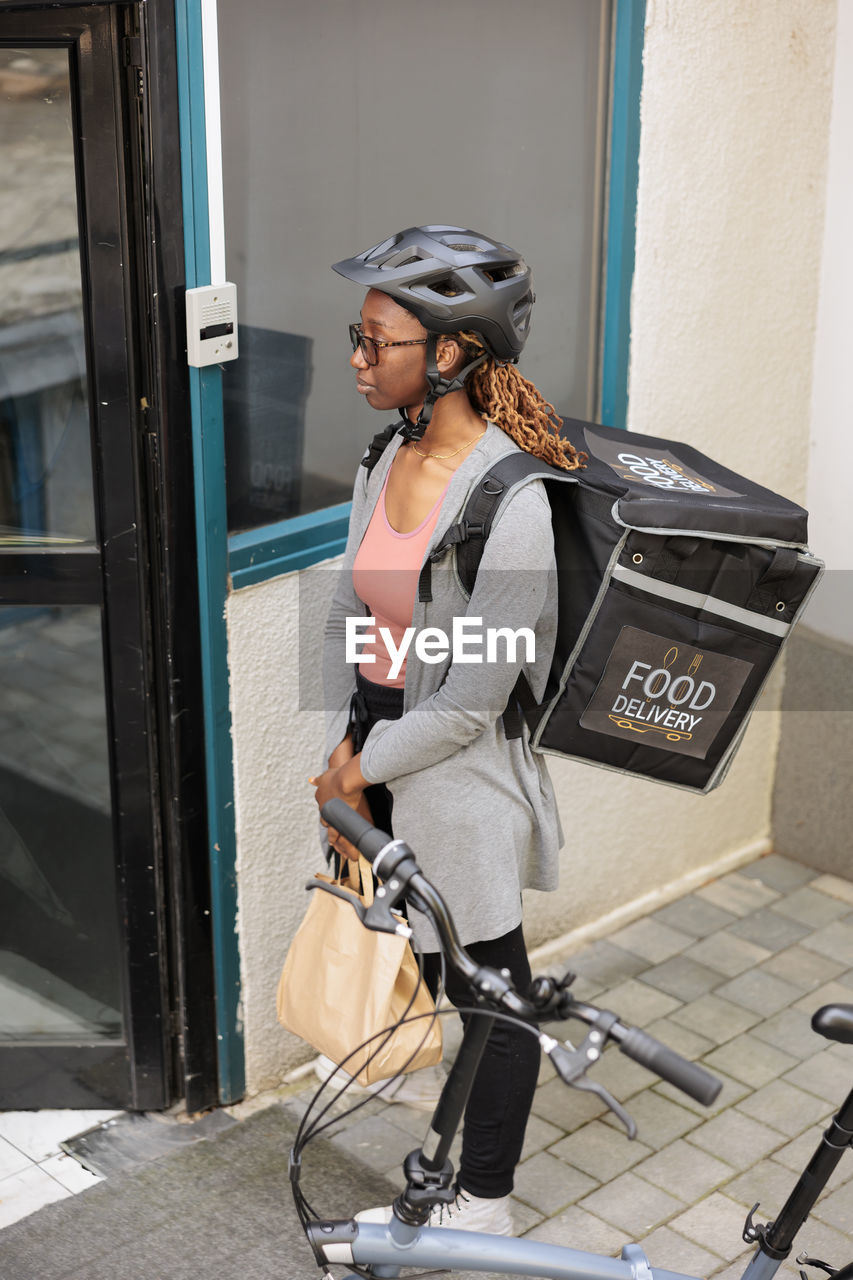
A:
461, 532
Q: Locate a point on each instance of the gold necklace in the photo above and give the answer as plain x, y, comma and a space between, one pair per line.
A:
442, 457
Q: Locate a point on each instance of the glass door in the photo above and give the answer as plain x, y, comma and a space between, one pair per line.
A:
83, 1006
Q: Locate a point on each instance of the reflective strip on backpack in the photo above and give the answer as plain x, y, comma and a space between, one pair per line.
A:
695, 600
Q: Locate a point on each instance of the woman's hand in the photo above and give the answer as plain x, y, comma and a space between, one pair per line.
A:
344, 782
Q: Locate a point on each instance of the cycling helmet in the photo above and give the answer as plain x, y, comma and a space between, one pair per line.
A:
451, 279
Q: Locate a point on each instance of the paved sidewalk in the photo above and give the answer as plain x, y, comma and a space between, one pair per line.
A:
729, 975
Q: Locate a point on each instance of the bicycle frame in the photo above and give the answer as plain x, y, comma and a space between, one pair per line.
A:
388, 1248
442, 1247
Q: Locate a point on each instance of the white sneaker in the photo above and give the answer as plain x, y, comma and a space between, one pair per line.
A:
475, 1213
418, 1089
467, 1213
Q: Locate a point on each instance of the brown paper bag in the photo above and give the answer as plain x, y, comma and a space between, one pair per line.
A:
342, 983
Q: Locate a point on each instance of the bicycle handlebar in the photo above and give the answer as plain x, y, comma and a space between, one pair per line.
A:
397, 857
368, 839
687, 1076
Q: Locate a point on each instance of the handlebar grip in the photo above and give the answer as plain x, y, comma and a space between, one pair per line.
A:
366, 838
665, 1062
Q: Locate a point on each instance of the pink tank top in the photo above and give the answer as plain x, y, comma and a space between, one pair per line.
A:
385, 577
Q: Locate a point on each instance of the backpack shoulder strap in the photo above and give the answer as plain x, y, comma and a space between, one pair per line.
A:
469, 534
469, 537
483, 506
379, 444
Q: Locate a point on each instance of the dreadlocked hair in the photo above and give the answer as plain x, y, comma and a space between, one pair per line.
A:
506, 398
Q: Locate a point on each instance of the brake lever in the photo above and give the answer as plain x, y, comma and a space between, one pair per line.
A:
378, 916
594, 1086
571, 1065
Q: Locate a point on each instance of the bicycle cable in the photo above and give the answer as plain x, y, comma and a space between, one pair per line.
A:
307, 1131
303, 1137
305, 1210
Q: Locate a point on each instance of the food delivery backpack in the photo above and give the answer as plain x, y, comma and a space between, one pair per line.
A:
678, 583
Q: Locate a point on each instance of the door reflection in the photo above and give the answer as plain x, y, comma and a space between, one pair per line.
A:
59, 942
45, 455
60, 958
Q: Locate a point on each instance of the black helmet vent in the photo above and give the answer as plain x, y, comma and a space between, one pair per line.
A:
448, 288
496, 274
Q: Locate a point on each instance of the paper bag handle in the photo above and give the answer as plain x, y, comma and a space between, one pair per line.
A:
361, 872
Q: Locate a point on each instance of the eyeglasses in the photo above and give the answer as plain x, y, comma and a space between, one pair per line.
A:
370, 346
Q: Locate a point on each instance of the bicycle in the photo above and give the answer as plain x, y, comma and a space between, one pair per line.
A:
374, 1250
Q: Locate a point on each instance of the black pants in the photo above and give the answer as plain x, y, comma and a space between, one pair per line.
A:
500, 1101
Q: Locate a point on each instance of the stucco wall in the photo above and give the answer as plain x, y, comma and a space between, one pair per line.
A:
733, 140
277, 748
734, 129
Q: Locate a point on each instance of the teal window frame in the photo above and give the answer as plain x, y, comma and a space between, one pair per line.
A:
212, 541
287, 545
623, 171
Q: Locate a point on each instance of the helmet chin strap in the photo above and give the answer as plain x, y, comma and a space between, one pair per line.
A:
437, 387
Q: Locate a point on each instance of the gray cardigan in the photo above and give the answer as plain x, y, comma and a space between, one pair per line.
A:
477, 809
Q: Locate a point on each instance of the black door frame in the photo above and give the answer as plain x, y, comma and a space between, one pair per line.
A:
159, 229
129, 180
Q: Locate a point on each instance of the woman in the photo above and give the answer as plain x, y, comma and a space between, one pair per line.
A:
421, 740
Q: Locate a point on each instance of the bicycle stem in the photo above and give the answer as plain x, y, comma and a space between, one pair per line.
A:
454, 1096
